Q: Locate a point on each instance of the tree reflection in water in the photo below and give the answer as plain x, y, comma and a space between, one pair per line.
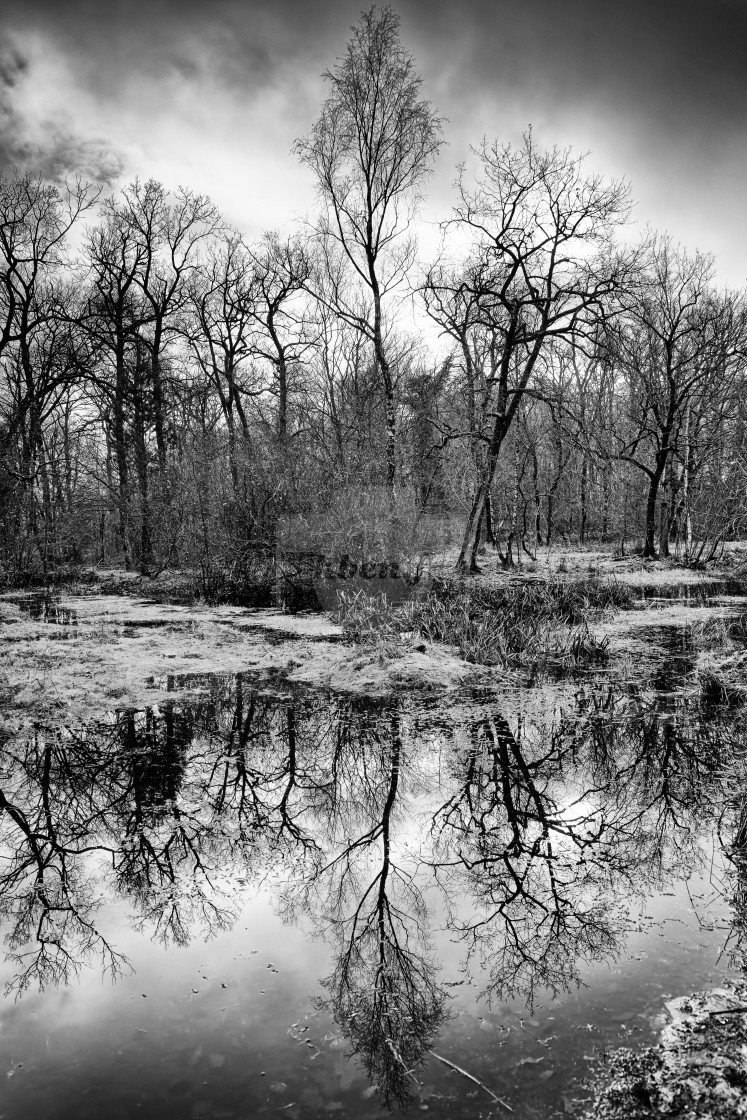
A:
49, 813
538, 832
551, 831
384, 990
732, 833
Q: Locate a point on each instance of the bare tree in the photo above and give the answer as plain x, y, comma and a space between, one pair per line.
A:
283, 332
543, 230
142, 256
371, 148
169, 233
221, 332
451, 299
38, 341
114, 318
677, 335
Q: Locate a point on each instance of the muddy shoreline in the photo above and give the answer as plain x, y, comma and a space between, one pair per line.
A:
96, 649
698, 1070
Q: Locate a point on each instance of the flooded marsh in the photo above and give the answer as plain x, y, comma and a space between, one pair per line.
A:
244, 896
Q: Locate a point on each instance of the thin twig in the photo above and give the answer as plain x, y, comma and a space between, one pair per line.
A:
730, 1011
464, 1073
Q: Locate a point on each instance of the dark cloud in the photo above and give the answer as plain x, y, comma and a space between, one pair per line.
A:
655, 87
243, 44
13, 150
56, 152
59, 156
186, 67
677, 60
12, 66
685, 53
63, 155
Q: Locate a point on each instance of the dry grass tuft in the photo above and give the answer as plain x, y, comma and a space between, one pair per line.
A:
501, 625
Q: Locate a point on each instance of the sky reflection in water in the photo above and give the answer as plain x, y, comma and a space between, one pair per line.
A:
503, 847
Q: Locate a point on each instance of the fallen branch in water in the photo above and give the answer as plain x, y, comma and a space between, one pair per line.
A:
464, 1073
730, 1011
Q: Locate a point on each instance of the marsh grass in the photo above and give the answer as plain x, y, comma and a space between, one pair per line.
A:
722, 673
366, 619
723, 680
490, 625
721, 633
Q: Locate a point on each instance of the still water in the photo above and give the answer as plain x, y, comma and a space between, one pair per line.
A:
283, 903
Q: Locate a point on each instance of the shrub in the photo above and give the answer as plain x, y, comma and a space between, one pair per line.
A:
249, 584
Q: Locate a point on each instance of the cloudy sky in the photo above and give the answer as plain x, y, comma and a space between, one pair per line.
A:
212, 95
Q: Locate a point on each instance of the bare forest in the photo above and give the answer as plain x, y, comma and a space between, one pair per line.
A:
175, 396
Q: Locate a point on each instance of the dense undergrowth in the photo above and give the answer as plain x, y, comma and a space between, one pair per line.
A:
490, 624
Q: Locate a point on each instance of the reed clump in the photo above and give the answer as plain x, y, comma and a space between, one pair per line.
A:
504, 625
723, 680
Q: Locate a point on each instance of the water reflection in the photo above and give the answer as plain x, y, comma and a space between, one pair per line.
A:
43, 607
527, 836
50, 813
384, 989
696, 593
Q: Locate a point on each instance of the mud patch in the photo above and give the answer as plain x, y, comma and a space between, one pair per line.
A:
699, 1070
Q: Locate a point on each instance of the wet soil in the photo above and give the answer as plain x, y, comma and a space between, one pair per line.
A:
698, 1070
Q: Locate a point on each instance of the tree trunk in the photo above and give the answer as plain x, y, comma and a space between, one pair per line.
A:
387, 382
649, 546
664, 525
467, 560
606, 501
655, 477
120, 449
47, 505
144, 546
158, 403
513, 534
488, 522
536, 495
686, 488
584, 499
